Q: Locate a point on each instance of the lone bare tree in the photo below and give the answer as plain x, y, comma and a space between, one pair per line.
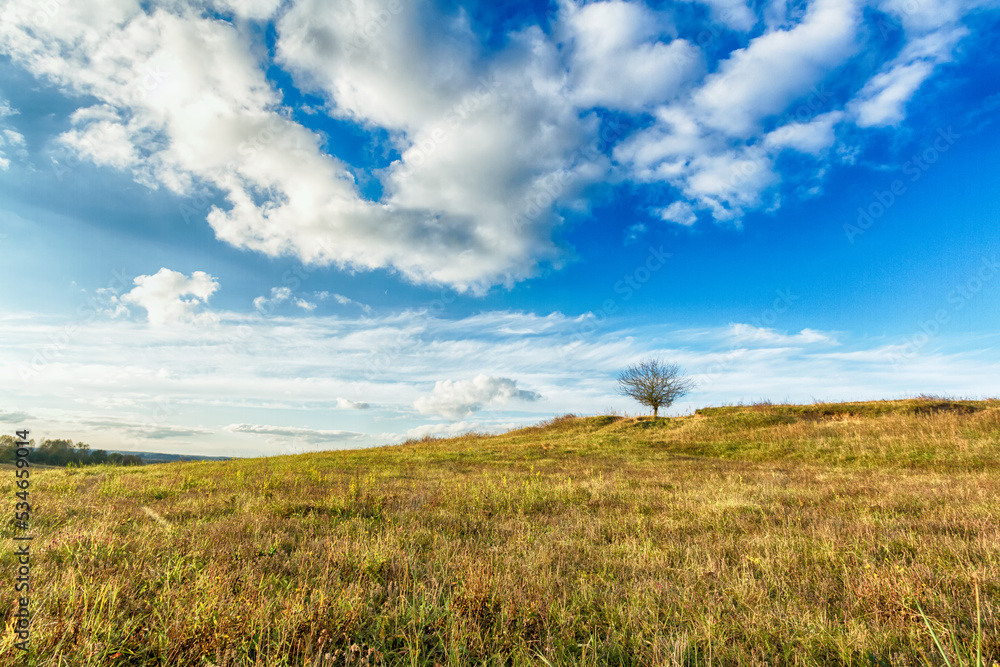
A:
654, 383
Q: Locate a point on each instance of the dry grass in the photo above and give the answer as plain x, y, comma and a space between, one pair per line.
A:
798, 535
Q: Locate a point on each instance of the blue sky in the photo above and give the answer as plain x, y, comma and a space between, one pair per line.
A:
268, 227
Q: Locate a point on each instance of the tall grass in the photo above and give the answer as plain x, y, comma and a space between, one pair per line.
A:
855, 534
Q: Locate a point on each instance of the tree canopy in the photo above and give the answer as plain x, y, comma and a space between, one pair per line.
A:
654, 383
63, 452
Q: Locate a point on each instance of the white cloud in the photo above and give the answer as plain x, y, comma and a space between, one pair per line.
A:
344, 301
778, 67
710, 143
100, 133
748, 333
712, 175
679, 212
812, 137
883, 99
917, 18
278, 296
345, 404
305, 305
6, 109
735, 14
446, 216
506, 166
634, 233
662, 151
494, 145
108, 302
162, 381
12, 138
461, 398
398, 69
162, 295
618, 61
250, 9
729, 182
9, 138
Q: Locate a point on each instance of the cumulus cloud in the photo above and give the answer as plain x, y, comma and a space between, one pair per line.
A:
779, 67
480, 142
619, 61
710, 172
399, 70
491, 146
708, 144
812, 137
730, 182
100, 133
446, 215
460, 398
163, 294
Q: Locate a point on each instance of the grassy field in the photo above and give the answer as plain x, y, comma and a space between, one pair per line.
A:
798, 535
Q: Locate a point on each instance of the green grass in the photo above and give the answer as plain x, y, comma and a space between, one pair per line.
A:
852, 534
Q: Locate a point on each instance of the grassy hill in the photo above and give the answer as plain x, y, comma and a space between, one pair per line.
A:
768, 534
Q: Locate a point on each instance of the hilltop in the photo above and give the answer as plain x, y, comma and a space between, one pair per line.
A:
161, 457
764, 534
861, 434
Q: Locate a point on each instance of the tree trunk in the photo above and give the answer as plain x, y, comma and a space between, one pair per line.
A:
656, 408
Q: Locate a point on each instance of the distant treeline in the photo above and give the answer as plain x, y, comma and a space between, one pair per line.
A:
64, 452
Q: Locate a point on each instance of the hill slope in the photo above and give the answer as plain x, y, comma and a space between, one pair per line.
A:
739, 535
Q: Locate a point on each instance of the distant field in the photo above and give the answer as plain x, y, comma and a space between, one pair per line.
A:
798, 535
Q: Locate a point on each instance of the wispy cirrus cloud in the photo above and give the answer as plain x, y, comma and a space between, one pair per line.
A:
368, 380
748, 333
146, 430
306, 434
11, 141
